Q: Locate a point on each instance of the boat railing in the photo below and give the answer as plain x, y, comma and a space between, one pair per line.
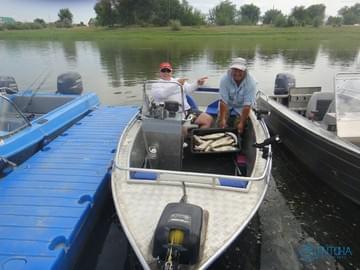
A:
219, 181
222, 181
160, 176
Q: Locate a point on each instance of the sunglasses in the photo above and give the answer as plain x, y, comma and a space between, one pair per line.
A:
165, 70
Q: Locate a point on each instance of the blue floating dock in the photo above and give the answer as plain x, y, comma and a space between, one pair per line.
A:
49, 203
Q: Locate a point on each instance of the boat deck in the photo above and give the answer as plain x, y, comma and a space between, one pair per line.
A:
48, 204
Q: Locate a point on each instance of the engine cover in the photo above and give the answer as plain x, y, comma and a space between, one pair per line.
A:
187, 218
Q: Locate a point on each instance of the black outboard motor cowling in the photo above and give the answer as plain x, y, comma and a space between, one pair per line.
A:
183, 217
283, 82
69, 84
8, 85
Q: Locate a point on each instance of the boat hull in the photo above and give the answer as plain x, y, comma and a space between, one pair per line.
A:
332, 160
23, 144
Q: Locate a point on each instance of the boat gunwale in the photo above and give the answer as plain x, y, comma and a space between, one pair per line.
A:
312, 128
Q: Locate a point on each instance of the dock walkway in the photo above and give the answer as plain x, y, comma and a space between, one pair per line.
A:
49, 203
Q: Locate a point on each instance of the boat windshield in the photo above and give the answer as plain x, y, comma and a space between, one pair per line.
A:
11, 119
347, 99
155, 95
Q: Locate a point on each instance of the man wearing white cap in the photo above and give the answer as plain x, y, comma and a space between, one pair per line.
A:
237, 92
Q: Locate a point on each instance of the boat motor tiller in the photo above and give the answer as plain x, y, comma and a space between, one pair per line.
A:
177, 236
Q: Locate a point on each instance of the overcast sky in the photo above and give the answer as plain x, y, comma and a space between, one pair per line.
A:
27, 10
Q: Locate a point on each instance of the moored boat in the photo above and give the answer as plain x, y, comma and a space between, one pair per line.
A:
180, 207
322, 129
29, 120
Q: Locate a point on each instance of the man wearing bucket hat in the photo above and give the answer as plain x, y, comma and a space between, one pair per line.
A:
237, 93
164, 92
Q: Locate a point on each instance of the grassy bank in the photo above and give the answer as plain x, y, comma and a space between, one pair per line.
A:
153, 33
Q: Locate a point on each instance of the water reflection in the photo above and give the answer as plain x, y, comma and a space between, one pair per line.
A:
121, 66
70, 52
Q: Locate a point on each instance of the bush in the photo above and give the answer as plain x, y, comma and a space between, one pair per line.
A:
175, 25
316, 22
65, 23
280, 21
291, 21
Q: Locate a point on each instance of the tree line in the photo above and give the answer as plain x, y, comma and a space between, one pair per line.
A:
162, 12
146, 12
176, 13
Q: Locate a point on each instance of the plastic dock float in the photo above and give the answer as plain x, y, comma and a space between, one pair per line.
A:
48, 204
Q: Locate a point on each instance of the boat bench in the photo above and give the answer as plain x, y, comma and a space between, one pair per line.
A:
300, 96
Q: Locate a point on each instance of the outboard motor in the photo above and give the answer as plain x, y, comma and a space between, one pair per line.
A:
8, 85
180, 234
69, 84
283, 82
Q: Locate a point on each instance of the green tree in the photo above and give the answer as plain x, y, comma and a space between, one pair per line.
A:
315, 14
105, 13
249, 14
270, 16
223, 14
299, 13
334, 21
350, 15
65, 15
190, 16
40, 22
280, 21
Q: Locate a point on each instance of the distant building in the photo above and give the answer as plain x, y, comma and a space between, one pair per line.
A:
7, 20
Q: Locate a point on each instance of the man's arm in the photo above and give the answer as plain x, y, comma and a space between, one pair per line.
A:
249, 101
223, 112
244, 116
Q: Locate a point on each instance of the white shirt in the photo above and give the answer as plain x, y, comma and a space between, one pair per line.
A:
162, 92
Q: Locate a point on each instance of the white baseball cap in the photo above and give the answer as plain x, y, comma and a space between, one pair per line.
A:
239, 63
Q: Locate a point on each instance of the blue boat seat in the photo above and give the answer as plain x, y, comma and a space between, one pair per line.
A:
143, 175
192, 103
212, 109
233, 183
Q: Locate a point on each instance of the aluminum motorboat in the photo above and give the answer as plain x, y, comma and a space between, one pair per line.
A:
179, 208
322, 129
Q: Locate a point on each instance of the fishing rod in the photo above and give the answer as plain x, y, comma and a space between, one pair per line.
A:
36, 79
36, 91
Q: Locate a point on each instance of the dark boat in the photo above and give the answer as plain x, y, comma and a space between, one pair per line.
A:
321, 129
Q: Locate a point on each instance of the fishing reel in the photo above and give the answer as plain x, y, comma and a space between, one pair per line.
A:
264, 146
260, 113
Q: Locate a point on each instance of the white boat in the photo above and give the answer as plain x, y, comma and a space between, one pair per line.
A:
322, 129
152, 170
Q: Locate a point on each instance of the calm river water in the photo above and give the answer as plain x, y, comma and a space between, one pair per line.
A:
299, 212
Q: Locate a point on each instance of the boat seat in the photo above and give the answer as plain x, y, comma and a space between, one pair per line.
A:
213, 108
192, 102
233, 183
143, 176
318, 105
